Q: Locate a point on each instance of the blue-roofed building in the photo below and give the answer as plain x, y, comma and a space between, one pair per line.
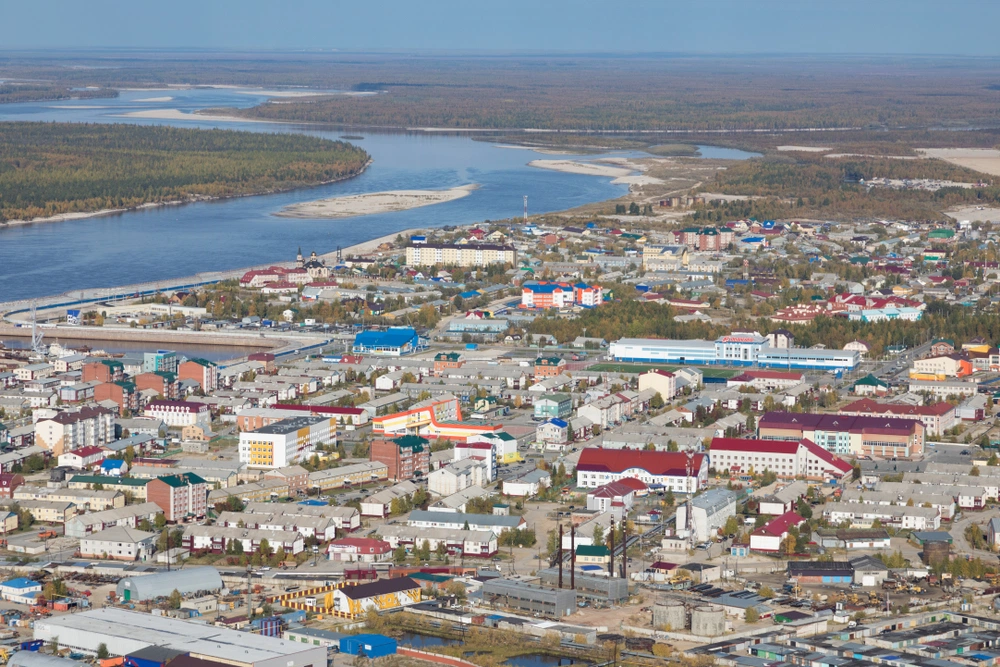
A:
113, 467
20, 590
418, 240
313, 502
553, 432
471, 294
393, 342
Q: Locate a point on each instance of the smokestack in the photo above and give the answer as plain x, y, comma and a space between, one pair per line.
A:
572, 557
611, 564
560, 556
624, 549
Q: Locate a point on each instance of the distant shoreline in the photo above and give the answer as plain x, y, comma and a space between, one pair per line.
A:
369, 203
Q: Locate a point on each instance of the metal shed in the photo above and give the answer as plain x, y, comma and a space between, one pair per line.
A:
36, 659
162, 584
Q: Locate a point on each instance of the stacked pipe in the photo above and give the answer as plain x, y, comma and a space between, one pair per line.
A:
560, 557
572, 557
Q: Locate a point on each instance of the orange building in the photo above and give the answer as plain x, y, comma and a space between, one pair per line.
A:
549, 367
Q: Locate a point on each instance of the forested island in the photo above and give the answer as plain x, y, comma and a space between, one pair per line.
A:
47, 92
49, 169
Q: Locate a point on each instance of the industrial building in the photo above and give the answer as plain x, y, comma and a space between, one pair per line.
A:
162, 584
513, 594
381, 595
609, 589
124, 632
736, 349
286, 442
393, 342
709, 512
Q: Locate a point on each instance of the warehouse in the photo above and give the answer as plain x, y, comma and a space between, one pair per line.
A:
613, 590
736, 349
512, 594
124, 632
381, 595
709, 512
162, 584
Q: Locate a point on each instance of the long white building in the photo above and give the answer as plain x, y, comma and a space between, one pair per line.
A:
736, 349
788, 459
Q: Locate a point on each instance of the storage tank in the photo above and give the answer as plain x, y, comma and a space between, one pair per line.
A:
936, 552
670, 615
708, 621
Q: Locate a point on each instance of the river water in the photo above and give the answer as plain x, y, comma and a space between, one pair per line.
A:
177, 241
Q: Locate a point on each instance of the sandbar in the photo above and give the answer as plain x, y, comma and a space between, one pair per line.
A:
373, 202
155, 99
586, 168
177, 114
975, 213
804, 149
986, 160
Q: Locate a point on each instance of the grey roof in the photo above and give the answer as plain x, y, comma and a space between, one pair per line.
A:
37, 659
162, 584
713, 500
462, 518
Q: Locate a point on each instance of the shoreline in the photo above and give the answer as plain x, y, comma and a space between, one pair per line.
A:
194, 199
370, 203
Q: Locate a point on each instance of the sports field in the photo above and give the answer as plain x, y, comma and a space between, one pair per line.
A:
642, 368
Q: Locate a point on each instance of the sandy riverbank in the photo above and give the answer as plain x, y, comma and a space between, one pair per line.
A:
373, 202
177, 114
369, 247
804, 149
64, 217
155, 99
986, 160
586, 168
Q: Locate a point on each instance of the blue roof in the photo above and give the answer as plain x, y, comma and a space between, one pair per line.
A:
591, 568
112, 463
543, 289
558, 422
471, 294
21, 582
312, 502
753, 239
393, 337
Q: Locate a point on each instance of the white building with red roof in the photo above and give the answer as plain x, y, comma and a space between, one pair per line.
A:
768, 538
662, 382
83, 457
616, 497
936, 418
788, 459
359, 550
766, 380
677, 471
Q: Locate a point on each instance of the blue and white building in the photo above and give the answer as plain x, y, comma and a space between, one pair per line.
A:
393, 342
21, 590
745, 349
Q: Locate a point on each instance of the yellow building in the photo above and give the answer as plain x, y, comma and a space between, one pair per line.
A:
354, 601
449, 254
286, 442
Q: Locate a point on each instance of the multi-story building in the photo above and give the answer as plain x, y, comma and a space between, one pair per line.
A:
548, 367
662, 382
105, 370
588, 296
349, 475
765, 380
788, 459
179, 496
954, 365
161, 360
163, 383
438, 417
547, 295
447, 360
180, 413
88, 426
122, 392
405, 457
296, 476
444, 254
878, 437
286, 442
553, 405
204, 372
673, 470
359, 550
936, 418
254, 418
709, 513
9, 482
713, 239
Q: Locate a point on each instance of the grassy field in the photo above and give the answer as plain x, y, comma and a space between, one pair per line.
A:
642, 368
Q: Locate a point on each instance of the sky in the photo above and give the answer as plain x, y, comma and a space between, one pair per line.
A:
918, 27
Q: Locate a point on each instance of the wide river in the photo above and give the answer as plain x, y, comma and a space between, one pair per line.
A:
177, 241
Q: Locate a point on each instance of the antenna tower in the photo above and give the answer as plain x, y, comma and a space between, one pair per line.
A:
36, 334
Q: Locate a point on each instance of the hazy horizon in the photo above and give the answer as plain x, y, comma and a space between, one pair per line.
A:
723, 28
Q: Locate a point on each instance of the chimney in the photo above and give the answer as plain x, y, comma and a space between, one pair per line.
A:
560, 556
624, 549
611, 564
572, 557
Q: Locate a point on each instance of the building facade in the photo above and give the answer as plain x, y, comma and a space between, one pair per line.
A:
444, 254
286, 442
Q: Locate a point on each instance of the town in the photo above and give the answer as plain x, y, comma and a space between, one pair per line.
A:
782, 457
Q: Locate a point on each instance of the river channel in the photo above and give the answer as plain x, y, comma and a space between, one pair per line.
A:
170, 242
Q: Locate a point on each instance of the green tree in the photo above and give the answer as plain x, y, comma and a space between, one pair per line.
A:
264, 549
598, 534
399, 555
751, 615
656, 402
175, 599
751, 424
102, 651
974, 472
160, 521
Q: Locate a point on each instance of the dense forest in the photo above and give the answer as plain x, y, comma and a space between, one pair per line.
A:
588, 94
39, 92
812, 185
48, 168
638, 319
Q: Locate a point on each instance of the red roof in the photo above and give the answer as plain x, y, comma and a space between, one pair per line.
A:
868, 406
597, 459
821, 453
779, 447
84, 452
320, 409
613, 490
633, 483
771, 375
780, 525
666, 374
364, 545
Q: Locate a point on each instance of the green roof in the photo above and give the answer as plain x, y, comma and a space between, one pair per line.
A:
433, 578
414, 442
548, 361
126, 385
166, 375
941, 234
112, 363
559, 398
182, 479
592, 550
871, 381
202, 362
448, 356
107, 480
